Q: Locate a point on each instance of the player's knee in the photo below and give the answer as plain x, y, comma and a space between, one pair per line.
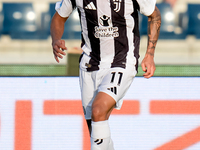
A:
98, 113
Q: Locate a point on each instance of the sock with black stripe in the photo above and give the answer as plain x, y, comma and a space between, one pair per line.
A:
100, 136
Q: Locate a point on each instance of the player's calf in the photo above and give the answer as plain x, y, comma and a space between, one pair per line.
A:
100, 136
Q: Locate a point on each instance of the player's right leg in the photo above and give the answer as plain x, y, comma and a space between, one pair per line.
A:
89, 122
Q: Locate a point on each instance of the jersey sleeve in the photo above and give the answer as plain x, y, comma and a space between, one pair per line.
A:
147, 7
64, 8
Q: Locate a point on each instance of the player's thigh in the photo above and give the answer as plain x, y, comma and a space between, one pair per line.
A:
116, 83
88, 92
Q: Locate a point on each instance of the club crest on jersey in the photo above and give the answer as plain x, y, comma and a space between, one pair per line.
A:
117, 5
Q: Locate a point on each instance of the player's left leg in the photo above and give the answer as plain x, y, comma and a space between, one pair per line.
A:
89, 90
111, 90
101, 109
89, 121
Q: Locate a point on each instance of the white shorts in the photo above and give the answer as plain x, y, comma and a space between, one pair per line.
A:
113, 81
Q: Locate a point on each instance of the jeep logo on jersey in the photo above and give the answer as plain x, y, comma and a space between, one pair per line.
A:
104, 20
117, 5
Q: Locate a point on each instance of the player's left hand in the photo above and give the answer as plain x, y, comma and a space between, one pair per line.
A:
148, 66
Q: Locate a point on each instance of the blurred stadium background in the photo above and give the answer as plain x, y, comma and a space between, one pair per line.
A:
25, 43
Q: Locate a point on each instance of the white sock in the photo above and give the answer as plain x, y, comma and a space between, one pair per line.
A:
111, 146
100, 136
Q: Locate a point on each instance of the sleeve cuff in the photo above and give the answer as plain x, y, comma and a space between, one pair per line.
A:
59, 8
147, 7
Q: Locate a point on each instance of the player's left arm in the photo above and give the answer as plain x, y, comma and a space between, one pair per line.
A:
154, 23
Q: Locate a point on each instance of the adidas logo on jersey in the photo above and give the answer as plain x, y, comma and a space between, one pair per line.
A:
113, 89
91, 6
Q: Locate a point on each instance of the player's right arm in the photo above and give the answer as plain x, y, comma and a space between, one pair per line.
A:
57, 29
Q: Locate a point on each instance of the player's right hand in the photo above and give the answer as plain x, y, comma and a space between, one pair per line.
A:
58, 49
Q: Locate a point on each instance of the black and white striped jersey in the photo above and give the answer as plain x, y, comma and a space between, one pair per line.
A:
110, 33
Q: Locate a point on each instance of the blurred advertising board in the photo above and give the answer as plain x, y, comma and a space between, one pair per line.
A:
45, 113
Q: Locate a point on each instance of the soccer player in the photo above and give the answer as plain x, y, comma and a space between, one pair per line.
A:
109, 62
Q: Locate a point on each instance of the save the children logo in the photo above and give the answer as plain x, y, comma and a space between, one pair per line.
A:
105, 20
105, 29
